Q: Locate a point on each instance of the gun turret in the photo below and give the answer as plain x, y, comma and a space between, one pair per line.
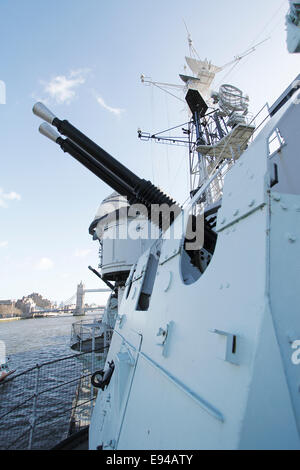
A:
120, 178
112, 172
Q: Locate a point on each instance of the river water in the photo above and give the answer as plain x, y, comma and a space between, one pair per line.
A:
34, 341
28, 343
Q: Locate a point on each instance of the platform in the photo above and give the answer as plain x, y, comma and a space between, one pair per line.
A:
230, 147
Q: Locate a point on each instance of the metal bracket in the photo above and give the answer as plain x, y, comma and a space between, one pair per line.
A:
126, 357
274, 176
121, 320
231, 355
110, 445
165, 334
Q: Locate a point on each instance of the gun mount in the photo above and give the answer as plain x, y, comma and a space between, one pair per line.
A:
97, 160
123, 181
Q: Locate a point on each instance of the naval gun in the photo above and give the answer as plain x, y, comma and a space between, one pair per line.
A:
96, 159
125, 184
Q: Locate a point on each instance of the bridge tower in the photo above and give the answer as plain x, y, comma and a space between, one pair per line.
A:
80, 295
79, 311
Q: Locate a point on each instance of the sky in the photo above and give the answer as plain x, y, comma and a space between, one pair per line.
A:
84, 58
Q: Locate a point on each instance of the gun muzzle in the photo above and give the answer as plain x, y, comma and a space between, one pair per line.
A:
40, 110
68, 130
138, 190
107, 168
111, 286
85, 159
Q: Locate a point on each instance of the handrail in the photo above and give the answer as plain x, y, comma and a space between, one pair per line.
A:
13, 377
47, 395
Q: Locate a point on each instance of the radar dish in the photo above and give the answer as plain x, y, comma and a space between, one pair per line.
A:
231, 99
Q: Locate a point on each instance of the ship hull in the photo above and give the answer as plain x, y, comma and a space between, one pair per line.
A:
225, 376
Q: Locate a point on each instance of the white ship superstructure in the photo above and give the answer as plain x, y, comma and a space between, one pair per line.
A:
205, 351
212, 363
293, 26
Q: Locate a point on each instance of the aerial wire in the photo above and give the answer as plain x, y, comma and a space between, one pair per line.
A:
151, 143
167, 147
267, 24
255, 39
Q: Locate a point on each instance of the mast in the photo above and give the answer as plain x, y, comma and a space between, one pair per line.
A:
217, 129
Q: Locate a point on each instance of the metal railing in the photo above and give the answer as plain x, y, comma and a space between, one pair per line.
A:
44, 405
87, 335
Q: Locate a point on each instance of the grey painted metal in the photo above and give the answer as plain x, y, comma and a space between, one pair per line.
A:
248, 391
49, 132
40, 110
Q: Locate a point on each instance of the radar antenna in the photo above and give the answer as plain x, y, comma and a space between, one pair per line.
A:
217, 131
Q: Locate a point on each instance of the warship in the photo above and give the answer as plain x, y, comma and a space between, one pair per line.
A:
205, 351
293, 27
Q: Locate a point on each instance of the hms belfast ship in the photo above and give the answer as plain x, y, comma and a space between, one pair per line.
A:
205, 352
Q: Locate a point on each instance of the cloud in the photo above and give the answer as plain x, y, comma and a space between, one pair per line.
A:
62, 88
44, 264
4, 197
82, 253
3, 244
12, 196
116, 111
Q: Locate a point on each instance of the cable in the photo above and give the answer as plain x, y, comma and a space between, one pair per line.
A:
255, 39
167, 149
151, 143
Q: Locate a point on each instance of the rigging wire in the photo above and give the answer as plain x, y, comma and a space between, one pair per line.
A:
227, 75
151, 143
178, 170
167, 149
270, 21
193, 51
166, 91
235, 65
255, 39
171, 128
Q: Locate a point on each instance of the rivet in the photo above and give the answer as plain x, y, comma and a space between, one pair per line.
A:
227, 285
283, 207
221, 287
236, 213
277, 198
251, 204
223, 221
291, 238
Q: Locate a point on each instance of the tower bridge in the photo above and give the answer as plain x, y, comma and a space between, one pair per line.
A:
68, 305
80, 295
